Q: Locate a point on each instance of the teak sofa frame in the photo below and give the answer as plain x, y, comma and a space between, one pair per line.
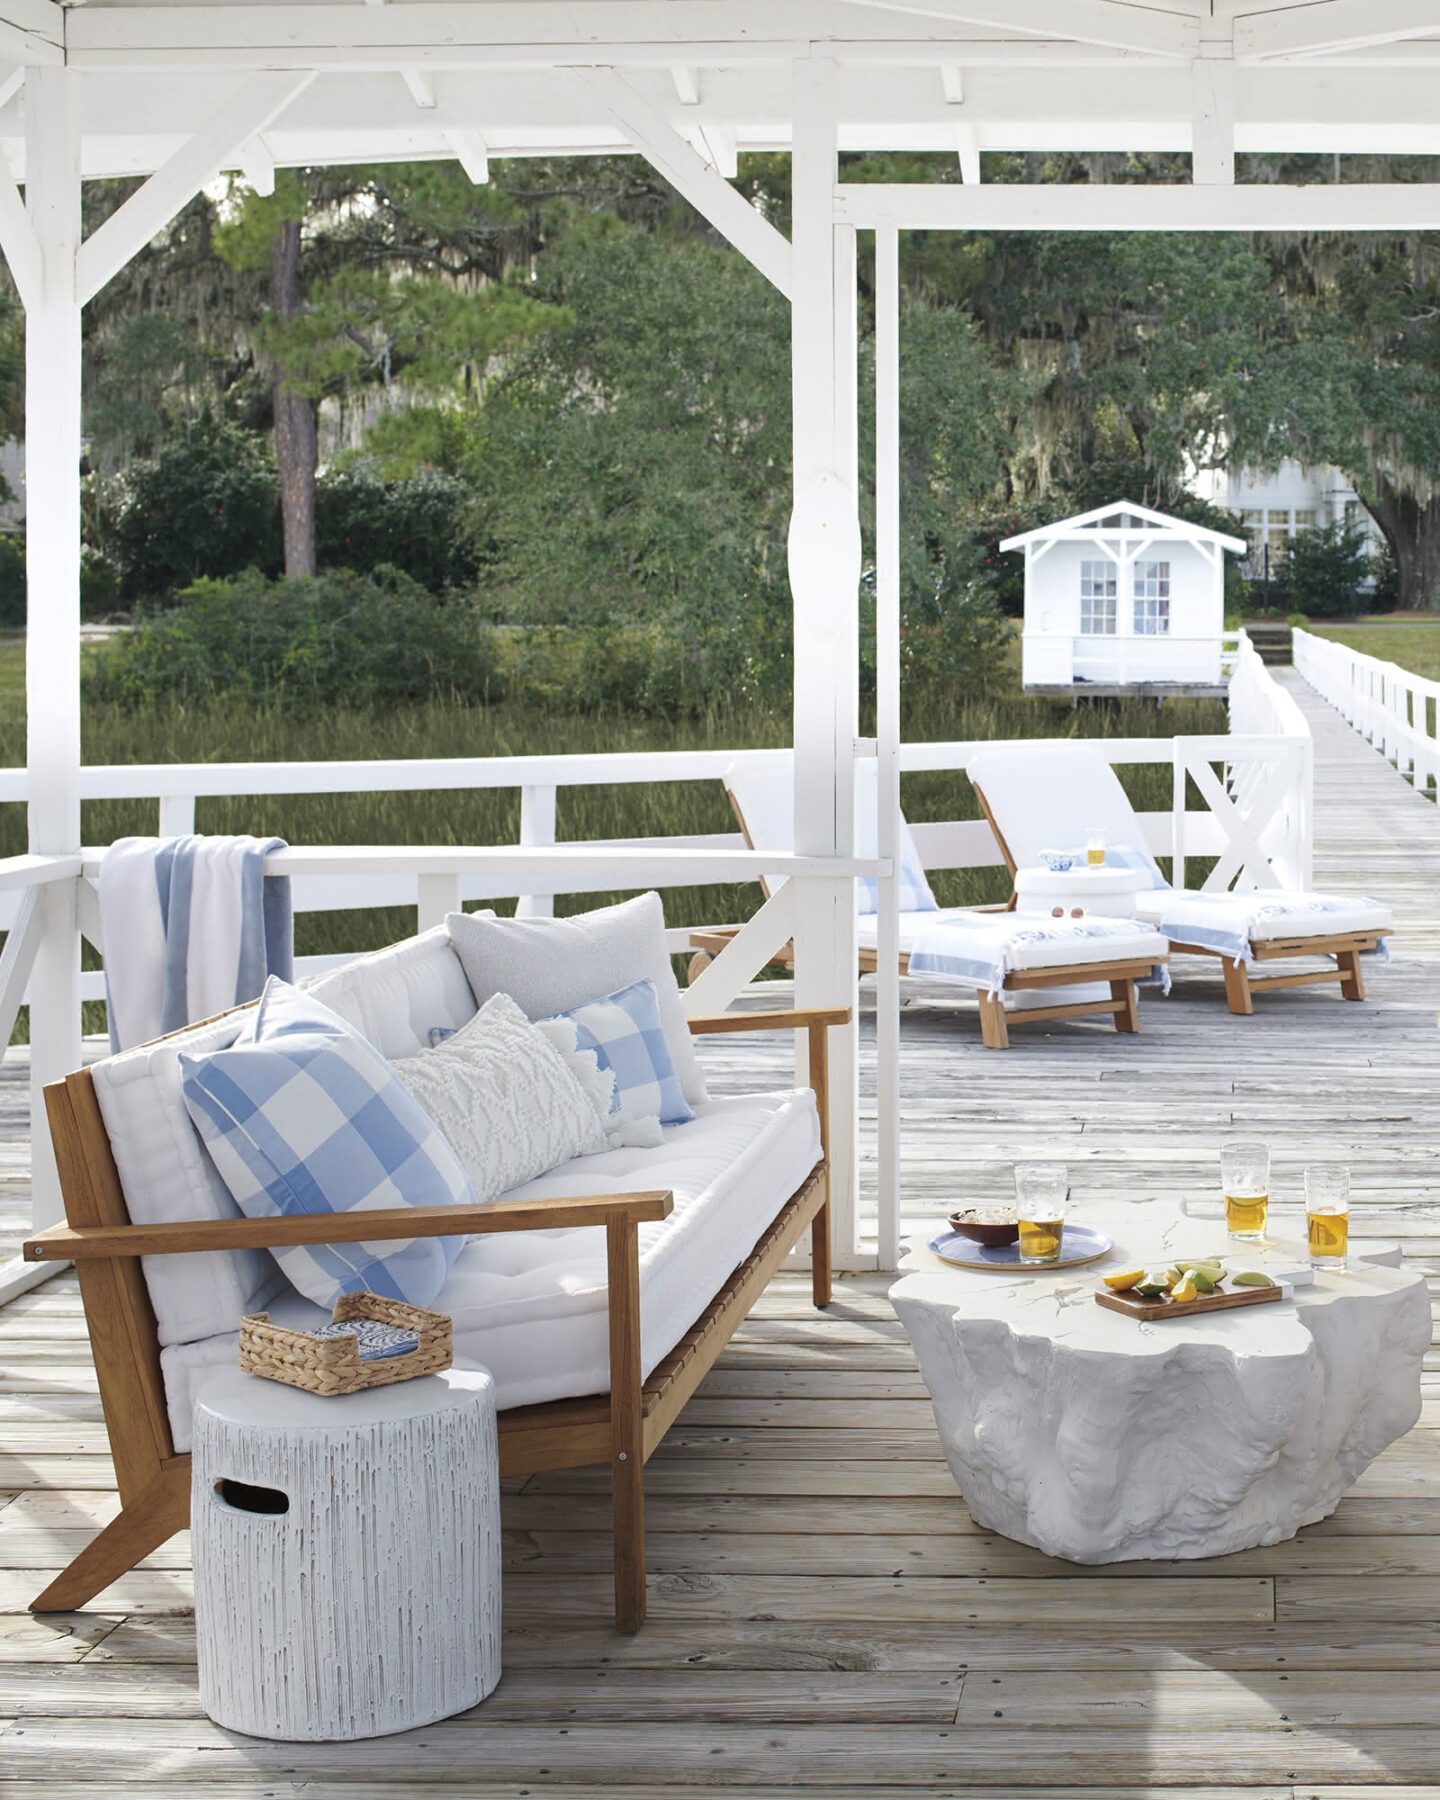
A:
621, 1428
1240, 985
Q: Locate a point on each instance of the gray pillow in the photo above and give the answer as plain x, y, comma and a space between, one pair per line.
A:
548, 966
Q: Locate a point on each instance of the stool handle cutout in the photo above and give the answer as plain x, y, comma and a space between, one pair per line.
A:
244, 1497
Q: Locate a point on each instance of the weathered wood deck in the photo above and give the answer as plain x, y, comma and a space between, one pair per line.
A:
824, 1615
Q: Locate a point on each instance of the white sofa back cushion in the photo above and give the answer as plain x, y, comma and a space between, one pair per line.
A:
550, 966
395, 998
167, 1175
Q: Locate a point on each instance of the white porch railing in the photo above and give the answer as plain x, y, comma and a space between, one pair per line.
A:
1253, 817
1398, 712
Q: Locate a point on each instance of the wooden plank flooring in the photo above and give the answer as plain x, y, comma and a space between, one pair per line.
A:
824, 1613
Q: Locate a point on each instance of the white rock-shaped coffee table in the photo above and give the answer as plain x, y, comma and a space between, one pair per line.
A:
1097, 1438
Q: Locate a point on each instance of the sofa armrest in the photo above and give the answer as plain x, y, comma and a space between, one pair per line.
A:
793, 1019
87, 1242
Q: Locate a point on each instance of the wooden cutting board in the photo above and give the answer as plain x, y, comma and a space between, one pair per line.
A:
1135, 1308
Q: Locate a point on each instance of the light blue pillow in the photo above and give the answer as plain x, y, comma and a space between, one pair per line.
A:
624, 1032
914, 889
303, 1115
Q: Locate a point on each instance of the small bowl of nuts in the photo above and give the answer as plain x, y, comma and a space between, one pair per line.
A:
993, 1226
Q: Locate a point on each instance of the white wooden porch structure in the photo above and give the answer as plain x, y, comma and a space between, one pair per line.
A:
177, 93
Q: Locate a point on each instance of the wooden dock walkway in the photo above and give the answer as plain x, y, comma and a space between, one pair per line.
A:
824, 1614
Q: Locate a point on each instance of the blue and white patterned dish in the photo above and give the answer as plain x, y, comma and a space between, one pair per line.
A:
1057, 861
373, 1338
1078, 1244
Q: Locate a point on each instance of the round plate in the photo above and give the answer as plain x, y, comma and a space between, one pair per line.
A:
1078, 1244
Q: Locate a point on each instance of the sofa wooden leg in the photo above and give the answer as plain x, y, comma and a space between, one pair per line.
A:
627, 1420
994, 1032
1127, 1009
1237, 985
1352, 981
820, 1282
150, 1520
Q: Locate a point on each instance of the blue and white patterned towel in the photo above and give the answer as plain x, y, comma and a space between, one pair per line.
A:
980, 949
192, 926
1227, 922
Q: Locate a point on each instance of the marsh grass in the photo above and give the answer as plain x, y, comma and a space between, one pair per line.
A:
221, 733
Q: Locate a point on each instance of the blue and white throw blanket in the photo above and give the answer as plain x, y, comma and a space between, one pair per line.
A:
192, 925
980, 948
1226, 923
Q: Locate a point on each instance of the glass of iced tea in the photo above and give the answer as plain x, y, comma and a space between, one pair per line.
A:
1095, 849
1245, 1178
1327, 1215
1041, 1190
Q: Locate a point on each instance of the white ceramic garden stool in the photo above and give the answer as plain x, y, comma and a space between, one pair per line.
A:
347, 1554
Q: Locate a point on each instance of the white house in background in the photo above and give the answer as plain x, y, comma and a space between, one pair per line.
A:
1123, 600
1278, 505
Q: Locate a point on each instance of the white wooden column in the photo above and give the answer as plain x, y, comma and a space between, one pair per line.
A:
887, 738
824, 557
52, 651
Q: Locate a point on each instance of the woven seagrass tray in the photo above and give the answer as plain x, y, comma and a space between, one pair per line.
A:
333, 1365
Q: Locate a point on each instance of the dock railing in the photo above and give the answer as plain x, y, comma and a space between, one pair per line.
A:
1253, 819
1395, 710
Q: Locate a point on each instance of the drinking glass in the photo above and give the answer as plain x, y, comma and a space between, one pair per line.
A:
1041, 1190
1327, 1215
1094, 849
1245, 1178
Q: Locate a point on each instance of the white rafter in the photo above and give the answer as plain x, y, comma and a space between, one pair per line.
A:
150, 209
472, 153
1110, 23
708, 192
1328, 27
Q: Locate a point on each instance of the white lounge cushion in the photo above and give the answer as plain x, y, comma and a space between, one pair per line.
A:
1263, 915
553, 965
762, 790
1045, 796
531, 1306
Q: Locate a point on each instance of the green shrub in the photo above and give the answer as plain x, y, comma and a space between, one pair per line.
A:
12, 581
417, 525
1324, 570
345, 639
205, 505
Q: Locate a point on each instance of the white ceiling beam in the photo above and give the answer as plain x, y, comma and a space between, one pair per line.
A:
1112, 24
1329, 26
472, 153
651, 133
32, 31
151, 208
686, 78
1212, 152
1119, 206
257, 165
18, 241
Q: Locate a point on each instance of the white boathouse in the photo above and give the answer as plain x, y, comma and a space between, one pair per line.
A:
1123, 600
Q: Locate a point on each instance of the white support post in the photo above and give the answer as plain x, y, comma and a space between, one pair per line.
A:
1212, 146
177, 815
1179, 772
537, 829
824, 561
52, 646
436, 896
887, 739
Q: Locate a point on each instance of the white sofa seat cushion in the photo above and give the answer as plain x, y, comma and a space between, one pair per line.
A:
531, 1306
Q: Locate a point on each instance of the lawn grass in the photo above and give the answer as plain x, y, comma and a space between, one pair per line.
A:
1414, 647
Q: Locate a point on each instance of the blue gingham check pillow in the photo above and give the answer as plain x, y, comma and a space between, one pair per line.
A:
914, 890
302, 1115
624, 1032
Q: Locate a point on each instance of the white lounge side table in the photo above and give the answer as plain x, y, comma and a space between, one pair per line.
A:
1097, 1438
347, 1554
1102, 892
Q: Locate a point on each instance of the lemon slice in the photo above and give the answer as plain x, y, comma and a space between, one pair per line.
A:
1184, 1290
1124, 1281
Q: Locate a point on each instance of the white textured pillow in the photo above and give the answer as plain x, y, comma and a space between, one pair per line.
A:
552, 965
504, 1099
